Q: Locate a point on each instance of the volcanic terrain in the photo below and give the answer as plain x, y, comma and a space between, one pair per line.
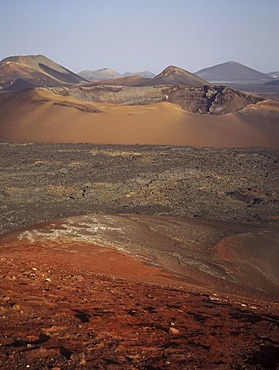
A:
173, 108
41, 115
134, 283
136, 256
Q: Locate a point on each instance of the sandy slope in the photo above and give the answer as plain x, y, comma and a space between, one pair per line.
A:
41, 116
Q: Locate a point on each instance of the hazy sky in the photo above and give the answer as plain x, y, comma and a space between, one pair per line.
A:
136, 35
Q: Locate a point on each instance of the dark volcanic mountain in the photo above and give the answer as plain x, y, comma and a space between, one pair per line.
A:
177, 76
100, 74
34, 70
232, 72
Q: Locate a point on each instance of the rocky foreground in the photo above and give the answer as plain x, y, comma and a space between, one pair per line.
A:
84, 307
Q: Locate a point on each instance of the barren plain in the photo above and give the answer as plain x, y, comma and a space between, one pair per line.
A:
42, 182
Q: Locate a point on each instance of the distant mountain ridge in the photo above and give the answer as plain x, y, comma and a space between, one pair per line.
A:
35, 70
30, 71
169, 76
100, 74
232, 72
110, 74
133, 81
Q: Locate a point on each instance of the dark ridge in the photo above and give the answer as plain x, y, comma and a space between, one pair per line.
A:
21, 84
70, 77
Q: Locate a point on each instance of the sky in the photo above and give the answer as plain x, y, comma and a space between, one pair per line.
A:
138, 35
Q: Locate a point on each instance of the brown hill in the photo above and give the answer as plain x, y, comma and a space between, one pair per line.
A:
39, 115
177, 76
36, 70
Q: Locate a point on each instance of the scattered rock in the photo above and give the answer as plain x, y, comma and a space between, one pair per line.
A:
173, 330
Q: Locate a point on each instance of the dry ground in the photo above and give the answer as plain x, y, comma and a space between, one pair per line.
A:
89, 307
72, 304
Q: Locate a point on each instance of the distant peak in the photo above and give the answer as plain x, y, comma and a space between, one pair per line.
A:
171, 69
106, 70
231, 72
233, 62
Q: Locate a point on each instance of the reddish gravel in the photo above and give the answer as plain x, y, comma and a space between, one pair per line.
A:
100, 308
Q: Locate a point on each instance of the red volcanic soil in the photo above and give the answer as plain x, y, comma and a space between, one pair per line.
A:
80, 306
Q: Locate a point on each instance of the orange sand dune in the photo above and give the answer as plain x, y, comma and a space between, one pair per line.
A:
41, 116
